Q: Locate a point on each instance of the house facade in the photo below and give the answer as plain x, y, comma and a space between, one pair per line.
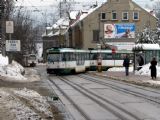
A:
115, 23
55, 36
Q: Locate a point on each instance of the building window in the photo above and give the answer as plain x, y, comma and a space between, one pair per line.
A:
135, 15
95, 35
103, 16
125, 16
114, 16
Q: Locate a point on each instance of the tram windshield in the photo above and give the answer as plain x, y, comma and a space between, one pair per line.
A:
53, 57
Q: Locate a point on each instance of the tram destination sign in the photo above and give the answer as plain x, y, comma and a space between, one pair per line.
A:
12, 45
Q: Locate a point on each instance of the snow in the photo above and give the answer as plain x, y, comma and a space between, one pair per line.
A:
143, 71
147, 46
3, 60
23, 104
63, 23
12, 71
84, 15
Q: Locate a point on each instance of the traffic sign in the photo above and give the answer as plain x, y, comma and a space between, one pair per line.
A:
9, 26
113, 51
12, 45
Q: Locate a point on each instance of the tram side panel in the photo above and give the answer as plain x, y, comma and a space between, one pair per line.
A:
108, 59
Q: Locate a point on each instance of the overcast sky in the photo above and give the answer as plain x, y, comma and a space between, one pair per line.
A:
52, 2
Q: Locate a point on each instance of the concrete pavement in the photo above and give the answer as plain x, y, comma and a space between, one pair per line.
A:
132, 78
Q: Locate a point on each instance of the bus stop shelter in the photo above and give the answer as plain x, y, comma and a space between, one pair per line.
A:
143, 54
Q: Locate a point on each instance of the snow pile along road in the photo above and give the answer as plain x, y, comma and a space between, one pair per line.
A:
12, 71
146, 71
24, 104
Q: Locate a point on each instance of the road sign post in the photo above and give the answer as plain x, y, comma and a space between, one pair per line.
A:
113, 54
11, 45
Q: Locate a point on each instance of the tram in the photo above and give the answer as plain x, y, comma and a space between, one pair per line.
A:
108, 59
30, 60
67, 60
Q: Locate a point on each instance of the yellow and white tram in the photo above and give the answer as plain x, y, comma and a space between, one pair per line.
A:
67, 60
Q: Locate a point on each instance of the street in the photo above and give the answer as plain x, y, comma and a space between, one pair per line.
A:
77, 97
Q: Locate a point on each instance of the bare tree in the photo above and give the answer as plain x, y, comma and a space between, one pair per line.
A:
64, 7
156, 8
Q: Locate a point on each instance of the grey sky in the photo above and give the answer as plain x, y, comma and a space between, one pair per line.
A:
52, 2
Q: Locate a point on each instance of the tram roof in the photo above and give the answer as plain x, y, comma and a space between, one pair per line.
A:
110, 51
63, 50
30, 55
146, 47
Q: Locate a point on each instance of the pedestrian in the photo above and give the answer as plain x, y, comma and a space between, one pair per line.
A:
140, 62
153, 68
126, 64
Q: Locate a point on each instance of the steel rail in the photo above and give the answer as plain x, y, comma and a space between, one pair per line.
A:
71, 101
155, 100
128, 115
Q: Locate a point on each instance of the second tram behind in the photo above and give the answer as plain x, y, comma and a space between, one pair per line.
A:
108, 59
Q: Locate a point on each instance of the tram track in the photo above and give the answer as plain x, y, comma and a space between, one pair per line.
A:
116, 109
121, 82
71, 101
97, 80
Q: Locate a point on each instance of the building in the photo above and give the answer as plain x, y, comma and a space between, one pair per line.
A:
55, 36
114, 23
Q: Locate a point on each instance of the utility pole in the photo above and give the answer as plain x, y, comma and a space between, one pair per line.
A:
2, 28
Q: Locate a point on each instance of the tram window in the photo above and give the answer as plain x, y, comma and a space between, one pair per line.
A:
83, 56
109, 56
71, 57
102, 55
91, 56
67, 55
94, 56
116, 56
63, 57
76, 56
86, 56
158, 56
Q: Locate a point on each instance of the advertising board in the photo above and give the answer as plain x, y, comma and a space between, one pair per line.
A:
120, 30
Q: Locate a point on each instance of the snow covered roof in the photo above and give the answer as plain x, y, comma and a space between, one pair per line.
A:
62, 22
151, 12
146, 47
49, 28
73, 14
84, 15
59, 32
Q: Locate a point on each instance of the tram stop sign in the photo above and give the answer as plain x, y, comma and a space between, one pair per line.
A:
113, 51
